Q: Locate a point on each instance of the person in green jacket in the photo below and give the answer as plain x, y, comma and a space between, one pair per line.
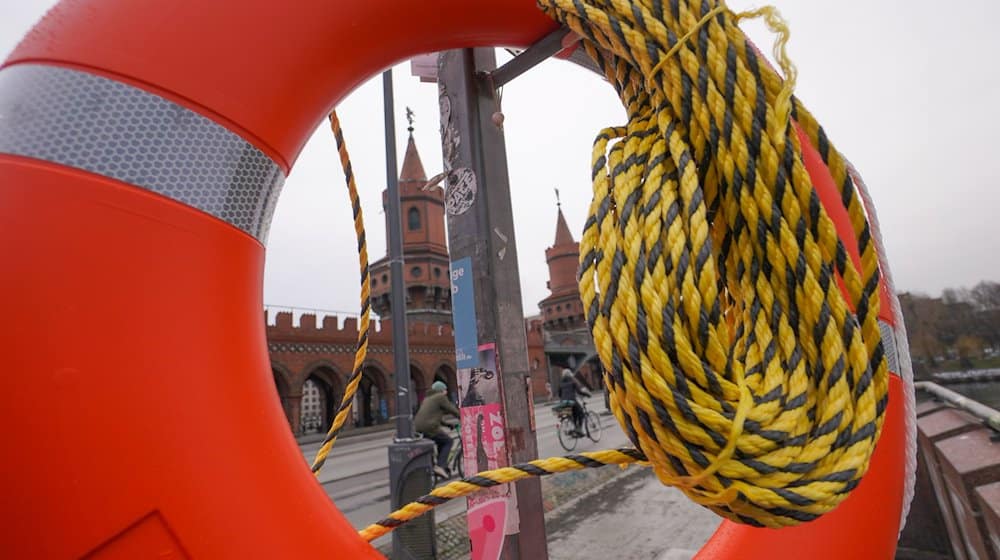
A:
429, 421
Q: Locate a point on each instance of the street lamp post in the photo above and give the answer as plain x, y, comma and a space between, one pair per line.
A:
410, 460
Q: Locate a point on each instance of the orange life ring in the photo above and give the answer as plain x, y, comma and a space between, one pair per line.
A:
139, 414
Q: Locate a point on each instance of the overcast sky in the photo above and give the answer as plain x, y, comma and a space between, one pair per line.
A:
908, 91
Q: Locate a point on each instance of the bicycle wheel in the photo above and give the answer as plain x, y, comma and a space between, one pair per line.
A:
565, 431
593, 426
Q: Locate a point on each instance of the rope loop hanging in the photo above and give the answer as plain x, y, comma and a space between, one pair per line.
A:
711, 275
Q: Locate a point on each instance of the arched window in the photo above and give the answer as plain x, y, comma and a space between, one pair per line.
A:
413, 219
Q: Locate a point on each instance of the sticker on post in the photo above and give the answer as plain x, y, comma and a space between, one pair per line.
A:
463, 315
484, 447
460, 193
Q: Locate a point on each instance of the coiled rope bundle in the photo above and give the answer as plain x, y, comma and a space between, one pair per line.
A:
739, 337
709, 269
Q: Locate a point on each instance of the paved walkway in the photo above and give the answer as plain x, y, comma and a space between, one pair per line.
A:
604, 514
601, 514
631, 517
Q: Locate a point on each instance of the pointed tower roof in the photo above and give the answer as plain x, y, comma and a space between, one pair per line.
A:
563, 235
562, 309
413, 168
425, 246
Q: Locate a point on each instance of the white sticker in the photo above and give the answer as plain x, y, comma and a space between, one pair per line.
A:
445, 103
449, 134
461, 191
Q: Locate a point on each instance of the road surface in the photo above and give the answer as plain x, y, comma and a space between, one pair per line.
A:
356, 475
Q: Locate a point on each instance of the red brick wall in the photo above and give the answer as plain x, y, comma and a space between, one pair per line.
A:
327, 352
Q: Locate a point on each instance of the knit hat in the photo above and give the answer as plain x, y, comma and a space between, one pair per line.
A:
439, 386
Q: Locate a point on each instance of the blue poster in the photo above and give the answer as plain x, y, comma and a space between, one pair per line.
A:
463, 314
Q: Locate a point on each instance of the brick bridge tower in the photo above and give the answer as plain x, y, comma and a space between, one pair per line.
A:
425, 252
562, 310
567, 340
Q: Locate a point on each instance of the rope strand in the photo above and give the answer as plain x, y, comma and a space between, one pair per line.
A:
361, 349
488, 479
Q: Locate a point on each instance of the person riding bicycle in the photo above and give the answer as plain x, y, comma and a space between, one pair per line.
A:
569, 386
430, 421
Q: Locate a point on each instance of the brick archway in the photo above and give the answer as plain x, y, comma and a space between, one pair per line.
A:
446, 373
321, 392
371, 402
418, 385
591, 371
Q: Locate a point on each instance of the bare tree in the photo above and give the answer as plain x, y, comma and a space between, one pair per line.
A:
986, 296
962, 323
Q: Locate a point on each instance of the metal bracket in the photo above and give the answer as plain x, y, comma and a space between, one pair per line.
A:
529, 58
534, 55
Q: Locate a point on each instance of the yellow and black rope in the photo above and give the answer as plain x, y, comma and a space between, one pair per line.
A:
361, 349
739, 339
487, 479
709, 269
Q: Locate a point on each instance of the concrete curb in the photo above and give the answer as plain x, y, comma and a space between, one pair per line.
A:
348, 434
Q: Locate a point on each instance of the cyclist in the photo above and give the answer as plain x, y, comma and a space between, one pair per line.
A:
430, 421
569, 386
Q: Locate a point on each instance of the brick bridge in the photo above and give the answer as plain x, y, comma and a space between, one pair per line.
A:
311, 364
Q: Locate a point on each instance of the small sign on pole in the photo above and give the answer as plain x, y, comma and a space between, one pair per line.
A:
425, 67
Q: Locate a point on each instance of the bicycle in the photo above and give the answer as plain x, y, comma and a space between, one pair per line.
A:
454, 461
455, 455
566, 430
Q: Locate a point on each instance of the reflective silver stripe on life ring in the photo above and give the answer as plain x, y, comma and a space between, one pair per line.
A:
889, 345
113, 129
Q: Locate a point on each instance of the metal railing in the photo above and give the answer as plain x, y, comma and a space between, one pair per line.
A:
989, 416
